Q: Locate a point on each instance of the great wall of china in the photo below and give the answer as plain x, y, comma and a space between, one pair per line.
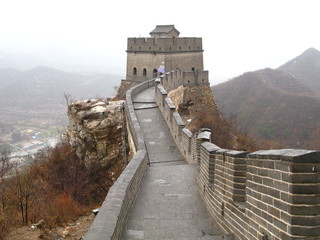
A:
267, 194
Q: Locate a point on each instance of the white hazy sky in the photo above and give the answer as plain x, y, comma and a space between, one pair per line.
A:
238, 35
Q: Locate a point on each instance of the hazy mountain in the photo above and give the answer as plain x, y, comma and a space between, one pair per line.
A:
305, 68
39, 92
23, 61
276, 105
20, 61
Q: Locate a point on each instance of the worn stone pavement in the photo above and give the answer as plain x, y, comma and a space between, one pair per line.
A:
168, 205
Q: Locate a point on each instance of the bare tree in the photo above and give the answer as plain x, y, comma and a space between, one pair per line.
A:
5, 167
23, 189
69, 99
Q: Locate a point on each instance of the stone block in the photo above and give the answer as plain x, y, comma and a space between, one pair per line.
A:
238, 198
300, 198
268, 182
304, 220
267, 217
301, 177
236, 154
263, 172
274, 174
305, 188
273, 230
303, 231
301, 156
304, 210
280, 205
273, 211
267, 199
282, 166
210, 147
304, 168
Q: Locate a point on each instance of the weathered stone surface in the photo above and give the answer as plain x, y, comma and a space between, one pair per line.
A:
192, 99
95, 130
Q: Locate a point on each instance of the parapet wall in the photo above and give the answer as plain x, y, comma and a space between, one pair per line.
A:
164, 44
270, 194
273, 194
182, 136
112, 218
176, 78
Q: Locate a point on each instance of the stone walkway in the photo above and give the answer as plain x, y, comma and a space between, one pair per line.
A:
168, 205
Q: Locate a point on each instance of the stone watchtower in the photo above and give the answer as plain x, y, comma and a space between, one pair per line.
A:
164, 51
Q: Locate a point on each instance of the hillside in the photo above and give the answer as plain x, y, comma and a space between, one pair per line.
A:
305, 68
272, 105
39, 93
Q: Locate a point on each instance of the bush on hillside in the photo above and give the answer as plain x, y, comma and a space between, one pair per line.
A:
223, 134
57, 188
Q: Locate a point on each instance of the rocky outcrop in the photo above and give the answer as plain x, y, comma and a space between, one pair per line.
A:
97, 131
191, 100
123, 88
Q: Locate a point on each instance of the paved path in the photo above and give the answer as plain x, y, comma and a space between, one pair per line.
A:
168, 205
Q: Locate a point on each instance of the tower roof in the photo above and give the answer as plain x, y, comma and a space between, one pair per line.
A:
161, 30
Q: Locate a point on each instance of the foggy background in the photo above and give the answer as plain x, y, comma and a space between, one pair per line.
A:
79, 35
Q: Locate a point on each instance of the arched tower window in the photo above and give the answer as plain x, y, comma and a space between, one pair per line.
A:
193, 69
154, 73
144, 72
134, 71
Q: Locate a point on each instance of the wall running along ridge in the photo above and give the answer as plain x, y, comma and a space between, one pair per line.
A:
267, 194
272, 194
110, 223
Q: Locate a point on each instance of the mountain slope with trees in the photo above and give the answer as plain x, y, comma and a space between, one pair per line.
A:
274, 105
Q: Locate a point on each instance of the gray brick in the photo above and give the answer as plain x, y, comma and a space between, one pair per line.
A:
302, 231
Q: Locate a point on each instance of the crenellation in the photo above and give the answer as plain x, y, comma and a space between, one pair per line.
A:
170, 103
165, 44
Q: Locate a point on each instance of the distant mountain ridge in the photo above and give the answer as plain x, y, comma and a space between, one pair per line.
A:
41, 90
23, 61
305, 68
20, 61
282, 105
283, 81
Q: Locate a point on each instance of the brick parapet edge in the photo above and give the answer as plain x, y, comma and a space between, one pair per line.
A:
267, 194
182, 136
112, 218
272, 194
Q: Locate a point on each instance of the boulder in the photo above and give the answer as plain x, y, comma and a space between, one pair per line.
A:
95, 130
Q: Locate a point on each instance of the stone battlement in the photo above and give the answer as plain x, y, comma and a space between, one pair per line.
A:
164, 44
267, 194
262, 195
176, 78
